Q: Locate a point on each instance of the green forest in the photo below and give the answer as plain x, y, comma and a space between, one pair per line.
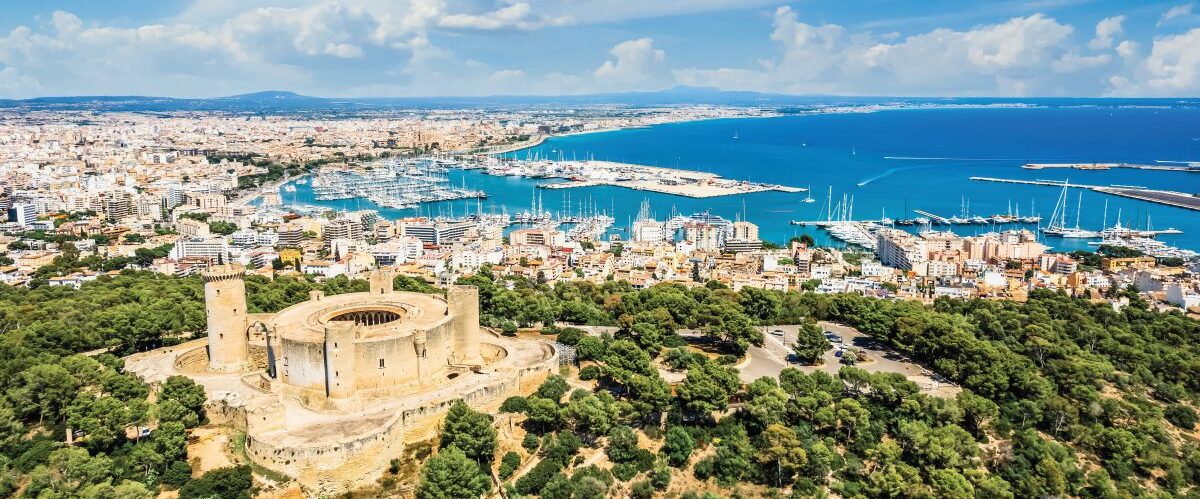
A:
1061, 396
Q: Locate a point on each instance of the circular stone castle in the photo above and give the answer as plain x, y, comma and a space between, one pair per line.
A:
328, 390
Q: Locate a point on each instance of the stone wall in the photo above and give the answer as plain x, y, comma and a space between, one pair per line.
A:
192, 361
335, 465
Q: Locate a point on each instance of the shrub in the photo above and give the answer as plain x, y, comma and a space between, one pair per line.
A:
226, 483
642, 490
515, 404
178, 474
532, 482
570, 335
1180, 415
509, 464
589, 373
531, 442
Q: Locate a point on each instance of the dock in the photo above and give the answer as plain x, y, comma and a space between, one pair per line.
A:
1169, 198
1106, 166
936, 218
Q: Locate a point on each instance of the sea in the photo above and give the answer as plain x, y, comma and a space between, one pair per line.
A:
885, 163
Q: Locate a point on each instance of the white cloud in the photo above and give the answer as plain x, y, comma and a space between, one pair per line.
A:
1002, 58
1172, 68
637, 64
12, 82
518, 15
1127, 49
1106, 29
1176, 11
1072, 62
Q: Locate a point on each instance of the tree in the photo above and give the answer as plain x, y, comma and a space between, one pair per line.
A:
544, 413
707, 388
678, 446
553, 388
811, 343
471, 432
451, 474
781, 448
226, 483
185, 391
592, 415
222, 227
622, 444
509, 464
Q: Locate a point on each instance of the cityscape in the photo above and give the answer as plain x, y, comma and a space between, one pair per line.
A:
638, 276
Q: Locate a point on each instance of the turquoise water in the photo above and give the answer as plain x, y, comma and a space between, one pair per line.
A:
858, 155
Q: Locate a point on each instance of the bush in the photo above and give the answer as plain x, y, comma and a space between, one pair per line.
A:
1180, 415
570, 335
553, 388
727, 360
509, 464
508, 328
589, 373
704, 468
660, 478
532, 482
625, 471
515, 404
226, 483
642, 490
563, 447
178, 474
531, 442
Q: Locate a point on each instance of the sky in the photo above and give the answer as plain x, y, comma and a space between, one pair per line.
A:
395, 48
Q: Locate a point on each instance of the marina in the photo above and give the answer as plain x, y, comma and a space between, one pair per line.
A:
1169, 198
391, 183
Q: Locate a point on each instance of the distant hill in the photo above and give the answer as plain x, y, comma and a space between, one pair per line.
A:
275, 101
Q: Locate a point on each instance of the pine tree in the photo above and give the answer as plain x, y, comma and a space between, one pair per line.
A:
452, 475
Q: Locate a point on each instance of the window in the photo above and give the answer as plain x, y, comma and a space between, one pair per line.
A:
381, 363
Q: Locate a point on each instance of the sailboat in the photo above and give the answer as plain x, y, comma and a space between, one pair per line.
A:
1058, 219
808, 198
735, 135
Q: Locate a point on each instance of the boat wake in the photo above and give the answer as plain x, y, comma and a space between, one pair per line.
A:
889, 172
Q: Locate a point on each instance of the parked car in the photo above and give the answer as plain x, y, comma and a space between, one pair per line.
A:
777, 332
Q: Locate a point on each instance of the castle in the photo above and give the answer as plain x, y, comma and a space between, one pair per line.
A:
329, 390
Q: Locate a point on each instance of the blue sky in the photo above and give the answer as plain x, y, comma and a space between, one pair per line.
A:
202, 48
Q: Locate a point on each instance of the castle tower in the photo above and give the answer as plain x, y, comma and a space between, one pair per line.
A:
339, 359
463, 305
381, 281
225, 307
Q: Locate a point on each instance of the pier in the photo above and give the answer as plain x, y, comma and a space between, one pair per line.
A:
1106, 166
1169, 198
936, 218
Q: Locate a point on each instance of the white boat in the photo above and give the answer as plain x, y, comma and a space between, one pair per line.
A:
1058, 219
808, 198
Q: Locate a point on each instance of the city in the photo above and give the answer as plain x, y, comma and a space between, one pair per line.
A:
568, 250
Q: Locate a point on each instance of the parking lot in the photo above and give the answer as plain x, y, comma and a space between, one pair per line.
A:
776, 354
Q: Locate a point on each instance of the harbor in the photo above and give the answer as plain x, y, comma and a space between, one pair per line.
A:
1169, 198
392, 183
1188, 167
